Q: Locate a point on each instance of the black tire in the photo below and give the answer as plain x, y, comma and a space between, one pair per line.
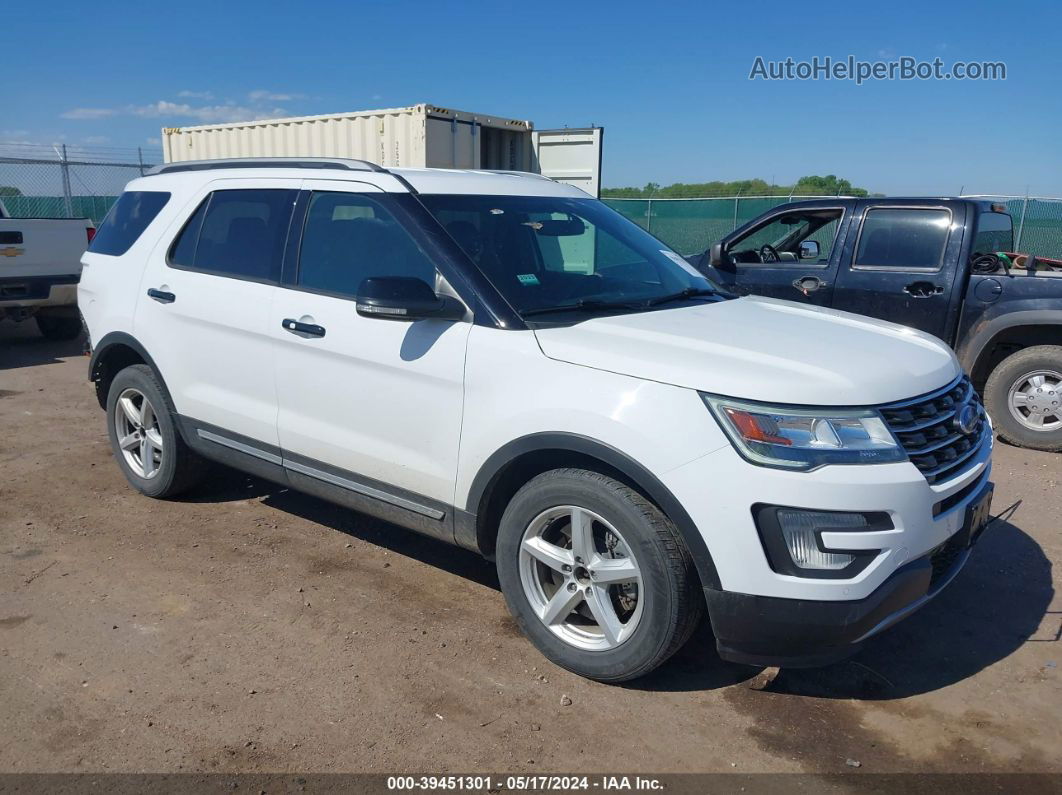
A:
58, 327
180, 467
673, 603
1003, 379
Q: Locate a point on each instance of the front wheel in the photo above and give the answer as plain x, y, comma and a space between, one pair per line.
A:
1024, 397
595, 575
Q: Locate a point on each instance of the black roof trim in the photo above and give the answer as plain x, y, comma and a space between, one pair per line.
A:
268, 162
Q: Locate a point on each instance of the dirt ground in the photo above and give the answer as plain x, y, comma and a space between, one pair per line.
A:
249, 628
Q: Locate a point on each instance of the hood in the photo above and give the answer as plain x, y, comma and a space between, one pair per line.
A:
762, 349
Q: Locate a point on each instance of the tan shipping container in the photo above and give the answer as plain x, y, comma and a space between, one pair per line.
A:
418, 136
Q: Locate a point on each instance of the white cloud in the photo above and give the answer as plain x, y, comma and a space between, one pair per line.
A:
195, 94
97, 139
272, 96
153, 141
14, 133
88, 113
204, 113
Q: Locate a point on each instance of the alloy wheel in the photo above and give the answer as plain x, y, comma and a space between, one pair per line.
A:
581, 578
136, 427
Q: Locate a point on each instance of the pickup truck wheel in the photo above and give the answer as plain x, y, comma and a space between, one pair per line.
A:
144, 438
58, 327
1024, 397
595, 575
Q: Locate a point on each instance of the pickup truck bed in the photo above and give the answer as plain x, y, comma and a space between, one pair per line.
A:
39, 271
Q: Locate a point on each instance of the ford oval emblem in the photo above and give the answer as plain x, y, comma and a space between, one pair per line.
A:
966, 419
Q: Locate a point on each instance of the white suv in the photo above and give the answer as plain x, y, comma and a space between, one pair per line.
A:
504, 363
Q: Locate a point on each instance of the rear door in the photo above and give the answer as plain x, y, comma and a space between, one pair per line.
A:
902, 263
571, 156
204, 305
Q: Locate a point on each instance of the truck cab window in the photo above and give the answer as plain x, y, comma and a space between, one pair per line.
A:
778, 241
995, 232
903, 238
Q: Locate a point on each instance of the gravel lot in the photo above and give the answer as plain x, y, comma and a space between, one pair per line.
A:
249, 628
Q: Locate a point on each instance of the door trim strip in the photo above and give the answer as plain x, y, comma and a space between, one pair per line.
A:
239, 446
367, 491
320, 474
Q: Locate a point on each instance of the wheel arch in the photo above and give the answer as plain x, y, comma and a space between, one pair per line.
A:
507, 469
1006, 334
111, 355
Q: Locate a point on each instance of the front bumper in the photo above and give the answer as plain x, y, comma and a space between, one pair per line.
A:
764, 630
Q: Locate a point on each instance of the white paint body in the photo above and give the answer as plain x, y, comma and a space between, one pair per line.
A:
427, 423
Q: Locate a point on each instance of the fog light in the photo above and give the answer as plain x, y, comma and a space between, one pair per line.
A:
800, 530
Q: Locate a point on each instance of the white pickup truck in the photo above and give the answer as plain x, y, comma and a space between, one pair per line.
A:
39, 271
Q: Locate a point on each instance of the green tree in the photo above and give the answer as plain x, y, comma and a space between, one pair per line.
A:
829, 185
8, 190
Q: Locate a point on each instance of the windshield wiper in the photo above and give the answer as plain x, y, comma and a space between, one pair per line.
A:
689, 292
585, 305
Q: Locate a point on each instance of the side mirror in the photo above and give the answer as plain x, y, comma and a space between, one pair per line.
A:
405, 298
717, 258
809, 249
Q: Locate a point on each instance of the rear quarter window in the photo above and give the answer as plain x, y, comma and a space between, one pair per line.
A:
127, 220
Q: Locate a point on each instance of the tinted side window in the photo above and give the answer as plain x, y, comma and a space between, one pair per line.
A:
902, 238
182, 252
241, 233
349, 237
127, 220
995, 232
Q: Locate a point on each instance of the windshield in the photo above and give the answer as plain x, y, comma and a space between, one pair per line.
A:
550, 252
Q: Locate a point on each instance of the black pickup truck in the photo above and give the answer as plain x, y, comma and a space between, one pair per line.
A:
926, 263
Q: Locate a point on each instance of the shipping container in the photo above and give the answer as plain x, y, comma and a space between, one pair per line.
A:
418, 136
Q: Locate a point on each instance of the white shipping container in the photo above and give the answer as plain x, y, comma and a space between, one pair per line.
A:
418, 136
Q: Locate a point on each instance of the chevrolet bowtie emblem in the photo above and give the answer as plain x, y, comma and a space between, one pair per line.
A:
12, 251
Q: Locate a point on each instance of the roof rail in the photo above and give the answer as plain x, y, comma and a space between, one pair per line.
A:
267, 162
510, 172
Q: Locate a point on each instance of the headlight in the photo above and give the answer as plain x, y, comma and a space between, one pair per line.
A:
805, 439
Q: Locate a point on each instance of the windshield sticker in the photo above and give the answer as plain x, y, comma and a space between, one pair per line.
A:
527, 279
496, 211
671, 255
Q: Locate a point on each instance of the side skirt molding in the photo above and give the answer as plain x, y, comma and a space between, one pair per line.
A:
412, 511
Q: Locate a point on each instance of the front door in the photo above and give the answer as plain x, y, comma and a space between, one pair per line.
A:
902, 265
792, 254
373, 404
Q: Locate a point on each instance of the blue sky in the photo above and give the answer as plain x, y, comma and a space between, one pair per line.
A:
668, 81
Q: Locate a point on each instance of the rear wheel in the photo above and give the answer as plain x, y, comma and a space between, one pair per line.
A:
1024, 397
58, 327
144, 437
595, 575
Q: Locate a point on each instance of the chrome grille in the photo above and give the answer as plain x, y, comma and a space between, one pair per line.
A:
927, 429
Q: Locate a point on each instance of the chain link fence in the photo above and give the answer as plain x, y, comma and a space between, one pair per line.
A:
65, 181
39, 181
690, 226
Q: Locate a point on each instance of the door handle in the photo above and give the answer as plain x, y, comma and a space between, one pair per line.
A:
809, 284
161, 296
923, 289
302, 329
